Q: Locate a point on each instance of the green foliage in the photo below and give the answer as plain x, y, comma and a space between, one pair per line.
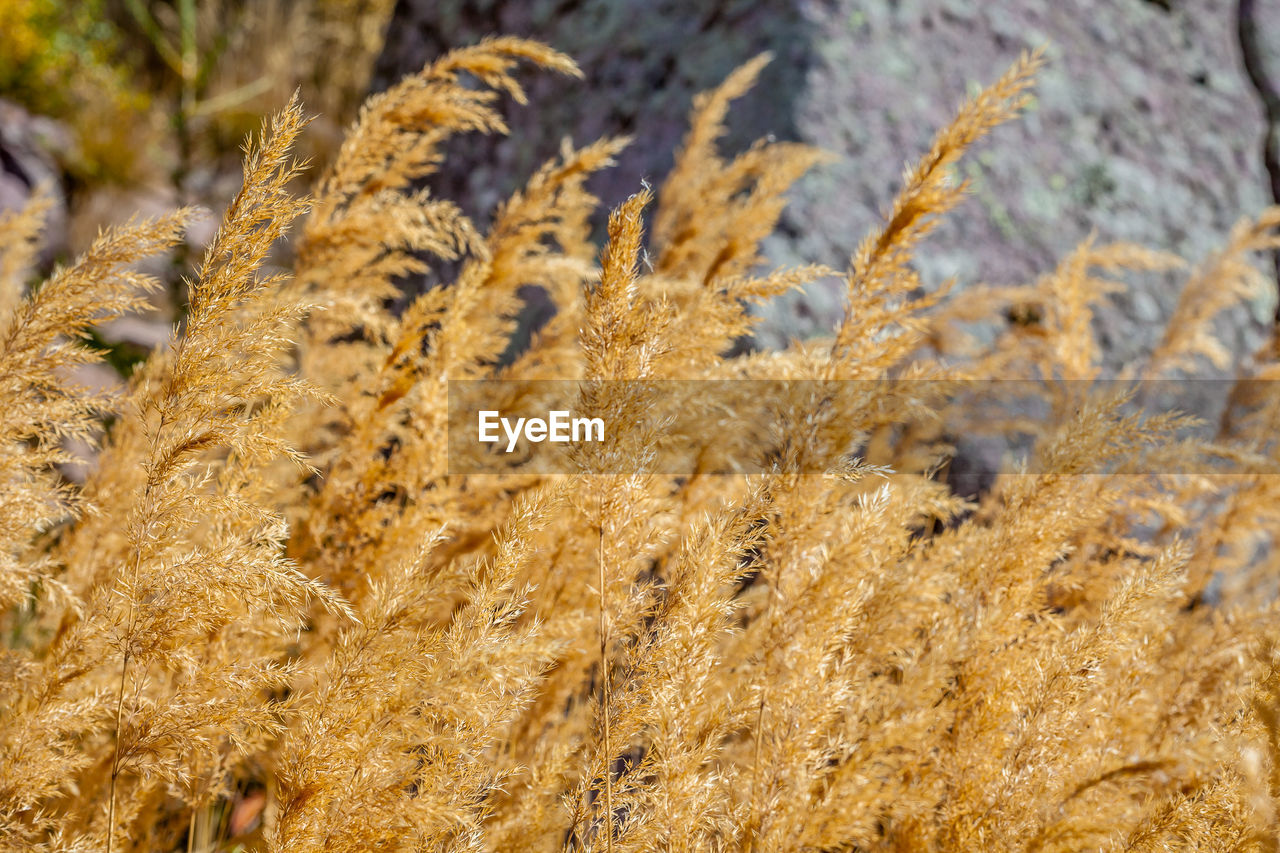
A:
64, 60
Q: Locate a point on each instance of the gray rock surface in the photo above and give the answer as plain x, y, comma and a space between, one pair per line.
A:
642, 60
1145, 127
29, 148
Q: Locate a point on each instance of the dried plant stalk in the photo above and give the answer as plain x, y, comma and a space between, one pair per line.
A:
271, 619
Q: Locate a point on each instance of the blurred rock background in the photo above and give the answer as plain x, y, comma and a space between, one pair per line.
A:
1146, 127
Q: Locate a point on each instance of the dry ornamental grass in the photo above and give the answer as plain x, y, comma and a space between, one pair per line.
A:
271, 620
